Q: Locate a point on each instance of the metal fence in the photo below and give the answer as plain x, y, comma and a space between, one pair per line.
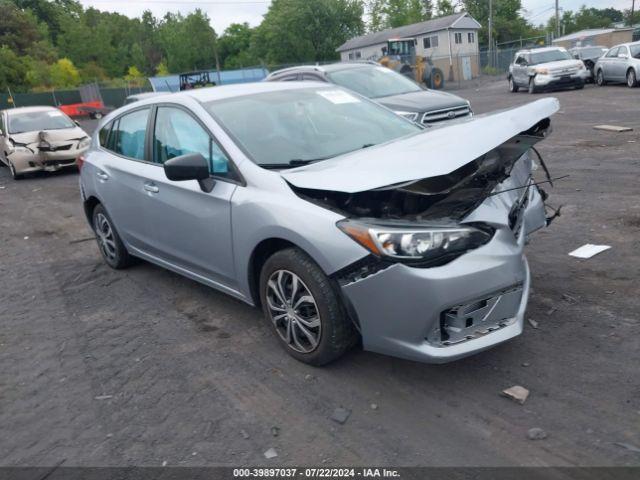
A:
112, 97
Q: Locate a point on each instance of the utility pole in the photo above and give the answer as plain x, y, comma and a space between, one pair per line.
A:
557, 18
633, 7
490, 32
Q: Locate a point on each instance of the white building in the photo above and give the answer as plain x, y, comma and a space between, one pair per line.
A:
449, 39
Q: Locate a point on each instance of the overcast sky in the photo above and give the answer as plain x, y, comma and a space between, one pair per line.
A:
225, 12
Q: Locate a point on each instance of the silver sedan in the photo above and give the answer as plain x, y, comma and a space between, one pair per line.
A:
337, 217
621, 64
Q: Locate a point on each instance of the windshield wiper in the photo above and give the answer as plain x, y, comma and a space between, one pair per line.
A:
296, 162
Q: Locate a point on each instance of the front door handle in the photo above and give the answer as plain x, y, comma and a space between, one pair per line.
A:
102, 176
151, 187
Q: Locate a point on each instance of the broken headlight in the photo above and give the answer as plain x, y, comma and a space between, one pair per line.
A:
413, 116
84, 143
427, 246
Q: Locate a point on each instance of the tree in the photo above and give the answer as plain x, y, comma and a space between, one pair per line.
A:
162, 70
234, 47
188, 42
508, 23
397, 13
12, 69
585, 18
303, 31
445, 7
18, 28
64, 74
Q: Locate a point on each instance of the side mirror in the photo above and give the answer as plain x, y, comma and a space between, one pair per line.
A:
192, 166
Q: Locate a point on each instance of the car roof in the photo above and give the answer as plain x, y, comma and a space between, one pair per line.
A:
584, 47
43, 108
332, 67
540, 49
209, 94
143, 95
628, 44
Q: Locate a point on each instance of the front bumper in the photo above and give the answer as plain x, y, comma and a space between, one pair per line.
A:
27, 160
551, 82
400, 310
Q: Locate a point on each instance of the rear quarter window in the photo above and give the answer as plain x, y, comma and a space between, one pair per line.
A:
103, 135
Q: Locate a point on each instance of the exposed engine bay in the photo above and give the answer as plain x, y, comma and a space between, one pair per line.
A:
446, 197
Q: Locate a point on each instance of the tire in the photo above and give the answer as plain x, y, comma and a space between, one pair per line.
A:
437, 79
111, 247
632, 81
14, 174
580, 86
513, 86
600, 78
97, 115
329, 331
532, 86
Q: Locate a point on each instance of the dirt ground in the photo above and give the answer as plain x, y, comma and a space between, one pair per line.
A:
143, 367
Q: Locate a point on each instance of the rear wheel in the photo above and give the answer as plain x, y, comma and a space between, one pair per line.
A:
111, 247
303, 308
513, 87
631, 78
600, 78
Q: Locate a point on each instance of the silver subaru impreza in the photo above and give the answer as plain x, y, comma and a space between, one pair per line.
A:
340, 219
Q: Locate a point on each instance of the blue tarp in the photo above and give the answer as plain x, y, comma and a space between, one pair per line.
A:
171, 83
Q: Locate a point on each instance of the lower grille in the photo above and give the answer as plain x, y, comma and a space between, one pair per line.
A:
477, 318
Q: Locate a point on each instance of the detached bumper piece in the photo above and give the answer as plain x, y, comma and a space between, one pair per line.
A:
477, 318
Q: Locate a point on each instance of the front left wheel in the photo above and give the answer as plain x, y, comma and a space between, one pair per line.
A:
14, 173
303, 308
513, 86
111, 247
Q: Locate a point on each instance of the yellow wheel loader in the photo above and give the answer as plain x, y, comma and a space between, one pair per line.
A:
401, 57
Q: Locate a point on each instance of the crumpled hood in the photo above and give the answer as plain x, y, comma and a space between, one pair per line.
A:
434, 152
422, 101
53, 136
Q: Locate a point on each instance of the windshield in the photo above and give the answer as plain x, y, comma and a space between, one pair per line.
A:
592, 52
293, 127
635, 50
37, 121
549, 56
373, 82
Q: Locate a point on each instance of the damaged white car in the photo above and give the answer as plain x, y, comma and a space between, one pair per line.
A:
339, 218
34, 139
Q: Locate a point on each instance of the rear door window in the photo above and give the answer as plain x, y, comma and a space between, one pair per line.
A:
128, 135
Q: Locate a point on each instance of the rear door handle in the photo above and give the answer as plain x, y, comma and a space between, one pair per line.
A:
151, 187
102, 176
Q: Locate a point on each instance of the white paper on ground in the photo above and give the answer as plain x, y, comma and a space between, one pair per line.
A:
589, 250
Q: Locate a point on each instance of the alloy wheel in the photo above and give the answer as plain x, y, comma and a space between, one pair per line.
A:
106, 240
293, 311
631, 79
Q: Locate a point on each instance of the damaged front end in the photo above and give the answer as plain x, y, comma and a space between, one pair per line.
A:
445, 274
46, 150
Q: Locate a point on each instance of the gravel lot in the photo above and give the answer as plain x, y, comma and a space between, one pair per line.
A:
142, 366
